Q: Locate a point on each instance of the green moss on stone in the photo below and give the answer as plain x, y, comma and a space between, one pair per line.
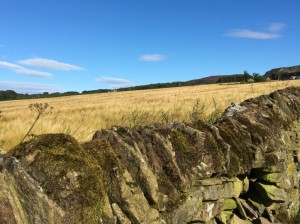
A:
166, 187
68, 174
122, 130
234, 165
181, 144
229, 204
213, 149
241, 150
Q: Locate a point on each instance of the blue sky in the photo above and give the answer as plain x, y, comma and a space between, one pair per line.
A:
76, 45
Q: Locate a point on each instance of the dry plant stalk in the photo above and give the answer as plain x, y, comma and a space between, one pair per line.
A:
39, 108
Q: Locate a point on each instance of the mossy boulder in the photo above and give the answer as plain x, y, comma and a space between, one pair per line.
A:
68, 175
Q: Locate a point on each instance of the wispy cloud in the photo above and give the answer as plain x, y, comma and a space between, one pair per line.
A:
276, 27
27, 87
22, 70
49, 64
270, 33
114, 82
244, 33
111, 80
152, 57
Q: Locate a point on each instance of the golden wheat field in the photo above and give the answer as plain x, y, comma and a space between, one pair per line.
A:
81, 116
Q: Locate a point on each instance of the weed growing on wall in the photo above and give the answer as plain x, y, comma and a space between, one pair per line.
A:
167, 117
215, 115
197, 112
38, 108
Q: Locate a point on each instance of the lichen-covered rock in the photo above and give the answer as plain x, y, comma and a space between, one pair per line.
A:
246, 210
22, 200
216, 192
224, 216
68, 175
193, 210
7, 215
121, 217
229, 204
271, 192
237, 220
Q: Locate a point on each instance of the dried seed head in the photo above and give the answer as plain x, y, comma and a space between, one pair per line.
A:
38, 107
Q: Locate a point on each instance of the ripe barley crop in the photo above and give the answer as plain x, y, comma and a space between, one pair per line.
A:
82, 115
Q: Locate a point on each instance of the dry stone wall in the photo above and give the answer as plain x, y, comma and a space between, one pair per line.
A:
243, 169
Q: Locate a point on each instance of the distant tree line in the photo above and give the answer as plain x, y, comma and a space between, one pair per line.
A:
96, 91
8, 95
242, 78
12, 95
154, 86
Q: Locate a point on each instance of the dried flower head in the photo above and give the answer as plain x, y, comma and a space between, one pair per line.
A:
38, 107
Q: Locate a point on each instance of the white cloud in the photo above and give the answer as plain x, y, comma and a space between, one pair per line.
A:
111, 80
27, 87
114, 82
152, 57
49, 64
244, 33
270, 33
22, 70
276, 27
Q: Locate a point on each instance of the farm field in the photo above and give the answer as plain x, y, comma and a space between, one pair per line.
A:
80, 116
